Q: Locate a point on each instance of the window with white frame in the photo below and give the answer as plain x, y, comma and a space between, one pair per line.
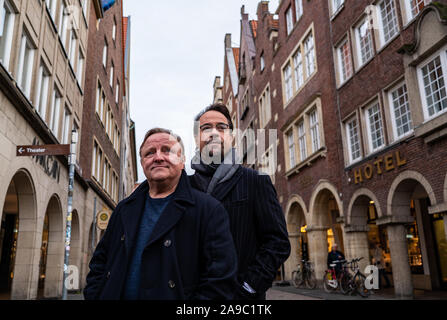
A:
104, 55
413, 7
262, 62
288, 82
117, 92
309, 53
376, 137
25, 67
42, 87
112, 75
389, 26
289, 20
107, 124
353, 140
64, 20
97, 161
364, 43
291, 148
98, 98
345, 69
432, 77
298, 9
114, 30
80, 67
314, 131
52, 6
72, 47
268, 165
66, 134
336, 5
400, 111
55, 112
298, 65
7, 18
302, 140
265, 108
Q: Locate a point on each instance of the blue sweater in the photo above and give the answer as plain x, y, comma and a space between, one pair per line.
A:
152, 212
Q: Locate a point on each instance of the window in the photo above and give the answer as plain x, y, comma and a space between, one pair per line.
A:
114, 30
344, 61
7, 18
72, 47
108, 114
302, 141
353, 137
97, 161
400, 111
289, 20
98, 98
104, 55
336, 5
309, 52
413, 7
268, 165
298, 9
55, 112
66, 134
315, 131
291, 148
388, 21
262, 62
80, 67
265, 109
432, 79
42, 91
112, 74
63, 23
25, 69
52, 5
117, 93
298, 63
84, 4
288, 82
364, 43
375, 128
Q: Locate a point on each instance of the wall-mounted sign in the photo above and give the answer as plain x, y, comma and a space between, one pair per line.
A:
379, 167
103, 220
48, 150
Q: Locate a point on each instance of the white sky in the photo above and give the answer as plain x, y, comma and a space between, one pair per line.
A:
177, 50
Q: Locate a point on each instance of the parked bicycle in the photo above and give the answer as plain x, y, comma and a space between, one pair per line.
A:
331, 278
304, 276
354, 283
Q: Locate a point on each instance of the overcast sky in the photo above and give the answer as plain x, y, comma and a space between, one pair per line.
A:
177, 50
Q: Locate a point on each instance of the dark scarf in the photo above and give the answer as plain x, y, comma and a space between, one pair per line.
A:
208, 176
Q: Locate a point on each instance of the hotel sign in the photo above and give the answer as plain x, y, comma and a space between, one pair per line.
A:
380, 166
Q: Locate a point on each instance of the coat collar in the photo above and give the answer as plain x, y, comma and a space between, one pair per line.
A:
134, 207
222, 189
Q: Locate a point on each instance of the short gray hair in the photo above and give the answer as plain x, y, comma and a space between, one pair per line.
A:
162, 130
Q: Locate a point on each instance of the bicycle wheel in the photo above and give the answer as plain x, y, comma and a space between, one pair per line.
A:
329, 285
297, 278
311, 281
360, 280
345, 283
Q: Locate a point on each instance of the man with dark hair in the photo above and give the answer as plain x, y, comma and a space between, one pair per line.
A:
166, 241
256, 218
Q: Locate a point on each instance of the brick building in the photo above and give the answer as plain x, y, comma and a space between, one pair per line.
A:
45, 93
359, 110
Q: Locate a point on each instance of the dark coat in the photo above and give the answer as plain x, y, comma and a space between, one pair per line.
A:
190, 254
258, 227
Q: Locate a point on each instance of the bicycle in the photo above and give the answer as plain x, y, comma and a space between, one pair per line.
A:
330, 279
306, 276
350, 284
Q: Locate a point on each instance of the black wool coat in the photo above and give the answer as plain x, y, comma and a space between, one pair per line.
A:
258, 227
190, 254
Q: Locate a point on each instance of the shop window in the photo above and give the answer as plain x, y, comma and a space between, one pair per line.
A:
414, 244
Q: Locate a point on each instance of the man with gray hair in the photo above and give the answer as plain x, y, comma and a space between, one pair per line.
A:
166, 241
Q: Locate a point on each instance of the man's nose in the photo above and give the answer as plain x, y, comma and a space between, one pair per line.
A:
158, 156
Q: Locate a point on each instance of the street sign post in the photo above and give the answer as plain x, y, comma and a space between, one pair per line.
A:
47, 150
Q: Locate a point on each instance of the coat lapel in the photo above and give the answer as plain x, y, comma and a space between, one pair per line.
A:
222, 189
174, 210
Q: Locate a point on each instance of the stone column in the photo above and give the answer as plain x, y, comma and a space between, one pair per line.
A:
318, 249
356, 245
403, 283
294, 259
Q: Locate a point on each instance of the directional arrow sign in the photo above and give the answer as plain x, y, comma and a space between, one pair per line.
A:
48, 150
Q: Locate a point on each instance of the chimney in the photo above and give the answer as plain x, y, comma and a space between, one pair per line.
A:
228, 41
